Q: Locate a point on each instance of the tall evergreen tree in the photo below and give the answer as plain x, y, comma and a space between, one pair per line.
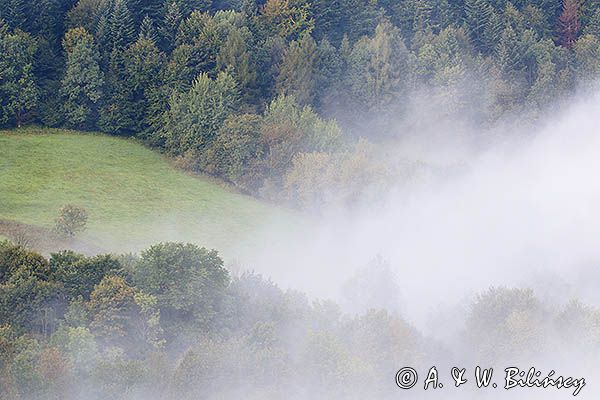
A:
141, 8
14, 12
593, 26
195, 117
297, 74
147, 30
483, 23
379, 68
83, 80
134, 80
170, 25
19, 91
329, 67
122, 30
102, 31
234, 56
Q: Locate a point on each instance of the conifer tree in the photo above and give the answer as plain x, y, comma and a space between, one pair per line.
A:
19, 91
122, 30
141, 8
170, 24
14, 13
102, 30
483, 23
568, 23
508, 51
147, 30
195, 117
593, 26
297, 75
83, 80
328, 69
235, 58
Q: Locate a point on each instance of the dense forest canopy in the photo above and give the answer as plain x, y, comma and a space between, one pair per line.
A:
268, 95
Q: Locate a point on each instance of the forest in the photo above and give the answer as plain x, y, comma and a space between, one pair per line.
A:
278, 97
121, 327
299, 104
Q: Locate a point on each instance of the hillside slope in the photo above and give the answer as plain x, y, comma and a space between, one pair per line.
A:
133, 195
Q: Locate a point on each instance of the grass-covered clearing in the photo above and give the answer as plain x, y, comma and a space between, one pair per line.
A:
133, 194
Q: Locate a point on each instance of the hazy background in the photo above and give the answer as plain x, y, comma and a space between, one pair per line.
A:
513, 206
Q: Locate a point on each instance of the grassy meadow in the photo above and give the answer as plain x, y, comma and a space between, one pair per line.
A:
134, 195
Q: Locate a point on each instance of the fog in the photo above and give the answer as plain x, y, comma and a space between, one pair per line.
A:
515, 205
508, 206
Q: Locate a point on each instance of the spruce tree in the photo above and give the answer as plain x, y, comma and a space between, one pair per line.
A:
170, 25
483, 23
235, 58
195, 117
14, 12
19, 92
82, 83
141, 8
122, 30
297, 75
593, 26
147, 30
508, 51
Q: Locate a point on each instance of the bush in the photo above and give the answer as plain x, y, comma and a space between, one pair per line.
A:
71, 220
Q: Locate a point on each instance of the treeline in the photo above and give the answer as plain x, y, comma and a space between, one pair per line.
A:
173, 323
270, 95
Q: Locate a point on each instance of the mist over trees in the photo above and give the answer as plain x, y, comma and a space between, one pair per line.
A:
197, 79
172, 322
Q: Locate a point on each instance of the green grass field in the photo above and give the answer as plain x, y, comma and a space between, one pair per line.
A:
133, 195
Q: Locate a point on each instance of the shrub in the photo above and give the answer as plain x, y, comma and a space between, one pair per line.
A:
71, 220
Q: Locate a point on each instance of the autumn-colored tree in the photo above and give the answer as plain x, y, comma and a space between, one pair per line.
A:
568, 23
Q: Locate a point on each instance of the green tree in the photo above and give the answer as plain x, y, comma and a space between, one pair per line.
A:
195, 117
235, 57
79, 274
86, 14
83, 79
593, 26
504, 322
12, 258
199, 35
147, 30
188, 281
134, 79
297, 74
19, 92
329, 69
170, 25
124, 316
14, 12
288, 129
587, 54
237, 154
122, 28
113, 309
380, 71
140, 9
71, 220
288, 19
30, 302
483, 23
